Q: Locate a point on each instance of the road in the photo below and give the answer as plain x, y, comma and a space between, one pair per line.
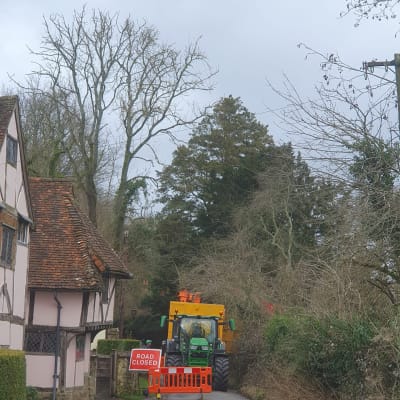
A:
209, 396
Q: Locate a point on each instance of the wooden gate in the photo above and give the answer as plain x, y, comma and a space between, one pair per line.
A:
104, 375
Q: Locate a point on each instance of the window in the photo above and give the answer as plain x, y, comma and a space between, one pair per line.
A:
80, 348
22, 231
7, 246
12, 150
41, 342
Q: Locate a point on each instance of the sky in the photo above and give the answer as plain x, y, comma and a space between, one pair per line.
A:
248, 42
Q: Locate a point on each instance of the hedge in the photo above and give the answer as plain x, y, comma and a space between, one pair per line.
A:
106, 346
12, 375
329, 349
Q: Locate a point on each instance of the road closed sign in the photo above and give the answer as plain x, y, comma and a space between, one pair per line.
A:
145, 359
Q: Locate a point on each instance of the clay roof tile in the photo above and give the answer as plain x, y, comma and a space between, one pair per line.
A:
66, 251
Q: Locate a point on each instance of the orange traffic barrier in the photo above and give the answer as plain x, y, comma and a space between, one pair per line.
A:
180, 380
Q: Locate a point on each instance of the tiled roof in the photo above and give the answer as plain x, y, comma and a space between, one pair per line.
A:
67, 251
7, 105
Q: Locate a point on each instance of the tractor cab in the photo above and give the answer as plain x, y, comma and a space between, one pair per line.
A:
194, 339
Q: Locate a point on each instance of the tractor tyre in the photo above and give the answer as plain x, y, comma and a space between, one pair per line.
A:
221, 374
173, 360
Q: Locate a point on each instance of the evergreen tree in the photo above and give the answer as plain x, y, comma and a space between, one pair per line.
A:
218, 169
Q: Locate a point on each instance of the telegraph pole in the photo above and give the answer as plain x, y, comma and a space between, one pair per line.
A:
394, 63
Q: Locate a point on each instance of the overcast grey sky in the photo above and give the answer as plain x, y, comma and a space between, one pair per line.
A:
247, 41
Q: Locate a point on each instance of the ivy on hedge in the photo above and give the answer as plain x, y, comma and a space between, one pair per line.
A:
106, 346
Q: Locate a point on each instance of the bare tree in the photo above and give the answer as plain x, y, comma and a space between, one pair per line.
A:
156, 82
379, 10
349, 107
349, 129
76, 69
95, 68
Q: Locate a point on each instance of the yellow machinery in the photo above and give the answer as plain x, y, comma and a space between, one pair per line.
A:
196, 336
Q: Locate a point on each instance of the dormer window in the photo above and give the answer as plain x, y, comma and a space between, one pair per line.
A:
12, 150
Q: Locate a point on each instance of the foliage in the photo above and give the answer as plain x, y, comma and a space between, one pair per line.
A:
12, 375
106, 346
32, 393
375, 168
218, 168
44, 133
146, 327
141, 256
214, 173
176, 246
293, 219
329, 350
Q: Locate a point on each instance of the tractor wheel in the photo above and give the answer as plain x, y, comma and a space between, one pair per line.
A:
173, 360
220, 374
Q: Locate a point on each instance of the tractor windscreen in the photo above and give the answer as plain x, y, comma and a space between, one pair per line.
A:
199, 328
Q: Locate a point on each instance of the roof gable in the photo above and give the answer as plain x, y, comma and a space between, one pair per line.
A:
67, 251
7, 107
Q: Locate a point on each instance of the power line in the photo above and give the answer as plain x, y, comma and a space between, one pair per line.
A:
394, 63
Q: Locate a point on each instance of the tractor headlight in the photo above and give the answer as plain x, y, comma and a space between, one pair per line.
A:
192, 347
204, 347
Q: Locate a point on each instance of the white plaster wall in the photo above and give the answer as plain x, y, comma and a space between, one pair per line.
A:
45, 312
6, 276
12, 127
109, 316
20, 276
21, 203
39, 370
2, 170
95, 305
11, 187
5, 333
17, 337
12, 177
91, 315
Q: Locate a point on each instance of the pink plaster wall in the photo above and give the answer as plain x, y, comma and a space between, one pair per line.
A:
76, 370
45, 311
39, 370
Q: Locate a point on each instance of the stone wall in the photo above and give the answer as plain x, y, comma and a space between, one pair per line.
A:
86, 392
125, 382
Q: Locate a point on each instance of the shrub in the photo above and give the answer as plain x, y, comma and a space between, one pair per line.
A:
106, 346
31, 393
329, 350
12, 375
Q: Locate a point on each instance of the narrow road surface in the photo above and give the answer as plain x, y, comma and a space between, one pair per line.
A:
208, 396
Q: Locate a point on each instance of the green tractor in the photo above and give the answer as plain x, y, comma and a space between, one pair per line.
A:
195, 343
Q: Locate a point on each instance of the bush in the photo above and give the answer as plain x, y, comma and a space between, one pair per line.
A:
12, 375
106, 346
329, 350
31, 393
